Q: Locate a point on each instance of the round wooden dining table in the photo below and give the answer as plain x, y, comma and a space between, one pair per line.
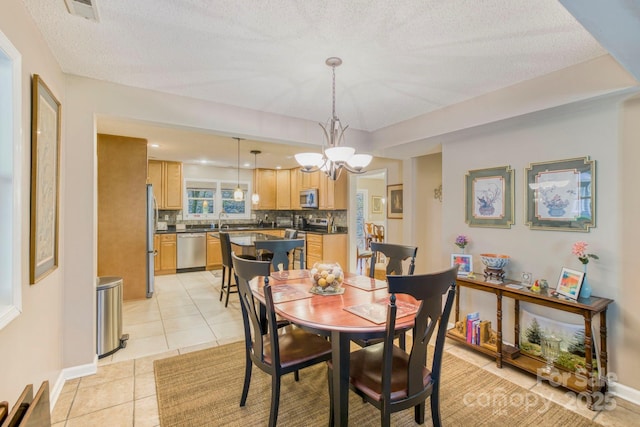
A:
326, 315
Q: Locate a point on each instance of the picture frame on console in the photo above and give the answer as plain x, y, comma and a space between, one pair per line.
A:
465, 263
489, 196
569, 283
561, 195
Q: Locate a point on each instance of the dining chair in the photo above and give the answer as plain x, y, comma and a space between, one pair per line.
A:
393, 256
279, 250
363, 255
392, 379
227, 268
275, 350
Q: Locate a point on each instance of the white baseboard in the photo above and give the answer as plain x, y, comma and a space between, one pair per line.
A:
625, 392
69, 374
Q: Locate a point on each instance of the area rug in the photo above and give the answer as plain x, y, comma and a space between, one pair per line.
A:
203, 389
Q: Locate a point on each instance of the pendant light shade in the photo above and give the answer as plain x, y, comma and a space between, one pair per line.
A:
238, 194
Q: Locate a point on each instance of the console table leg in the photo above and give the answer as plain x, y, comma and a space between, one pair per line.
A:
588, 353
603, 352
516, 318
499, 331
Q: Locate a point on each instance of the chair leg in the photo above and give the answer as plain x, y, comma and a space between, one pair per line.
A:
331, 418
403, 341
419, 412
226, 303
296, 375
247, 379
385, 417
224, 271
435, 405
275, 399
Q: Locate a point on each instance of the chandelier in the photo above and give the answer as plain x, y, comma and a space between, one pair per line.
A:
334, 156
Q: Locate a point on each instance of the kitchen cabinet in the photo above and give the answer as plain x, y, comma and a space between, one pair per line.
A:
333, 194
296, 180
214, 254
167, 254
166, 178
327, 247
310, 180
265, 181
283, 189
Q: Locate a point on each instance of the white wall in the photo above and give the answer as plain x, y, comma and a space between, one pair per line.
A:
586, 129
31, 345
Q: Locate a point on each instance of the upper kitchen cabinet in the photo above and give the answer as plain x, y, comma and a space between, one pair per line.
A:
296, 181
265, 181
166, 178
283, 189
332, 194
310, 180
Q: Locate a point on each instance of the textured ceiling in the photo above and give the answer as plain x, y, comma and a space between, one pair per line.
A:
401, 58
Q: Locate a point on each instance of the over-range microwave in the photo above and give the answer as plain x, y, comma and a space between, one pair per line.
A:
309, 198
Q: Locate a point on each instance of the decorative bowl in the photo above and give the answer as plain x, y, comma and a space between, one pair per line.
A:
494, 261
326, 277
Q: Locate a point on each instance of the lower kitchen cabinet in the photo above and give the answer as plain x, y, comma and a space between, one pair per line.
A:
327, 247
167, 254
214, 253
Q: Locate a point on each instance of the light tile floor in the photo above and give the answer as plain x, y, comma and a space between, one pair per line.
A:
185, 315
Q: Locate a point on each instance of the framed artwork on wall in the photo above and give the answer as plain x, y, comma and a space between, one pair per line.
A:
376, 204
45, 180
489, 197
394, 201
561, 195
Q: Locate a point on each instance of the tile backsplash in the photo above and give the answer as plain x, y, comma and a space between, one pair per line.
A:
340, 217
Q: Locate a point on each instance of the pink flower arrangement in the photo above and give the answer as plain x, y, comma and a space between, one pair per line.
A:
580, 250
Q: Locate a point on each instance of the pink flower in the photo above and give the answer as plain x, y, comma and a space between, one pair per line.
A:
580, 250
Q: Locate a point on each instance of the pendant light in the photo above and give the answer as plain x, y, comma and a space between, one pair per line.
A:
255, 197
238, 195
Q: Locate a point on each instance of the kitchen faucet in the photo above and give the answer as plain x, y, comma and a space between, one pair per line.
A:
220, 215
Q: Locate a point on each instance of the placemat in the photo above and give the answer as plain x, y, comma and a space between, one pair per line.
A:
286, 292
290, 274
376, 312
365, 282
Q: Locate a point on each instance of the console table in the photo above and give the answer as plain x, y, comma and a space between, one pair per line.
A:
588, 308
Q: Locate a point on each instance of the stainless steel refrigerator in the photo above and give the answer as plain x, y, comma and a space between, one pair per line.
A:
152, 218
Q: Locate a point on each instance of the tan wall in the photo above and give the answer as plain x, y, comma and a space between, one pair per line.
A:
31, 345
587, 129
374, 187
428, 214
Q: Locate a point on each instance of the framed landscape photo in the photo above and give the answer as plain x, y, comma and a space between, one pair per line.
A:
489, 197
394, 201
45, 176
376, 204
465, 263
570, 282
561, 195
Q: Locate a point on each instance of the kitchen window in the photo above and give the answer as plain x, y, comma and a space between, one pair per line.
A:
10, 174
206, 199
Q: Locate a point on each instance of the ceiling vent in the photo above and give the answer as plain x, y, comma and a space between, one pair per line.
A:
84, 8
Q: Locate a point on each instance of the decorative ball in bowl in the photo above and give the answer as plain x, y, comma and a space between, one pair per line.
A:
327, 278
494, 261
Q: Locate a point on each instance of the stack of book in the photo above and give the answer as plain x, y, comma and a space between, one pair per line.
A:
473, 328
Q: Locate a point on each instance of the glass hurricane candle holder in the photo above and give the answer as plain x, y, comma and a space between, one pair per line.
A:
550, 351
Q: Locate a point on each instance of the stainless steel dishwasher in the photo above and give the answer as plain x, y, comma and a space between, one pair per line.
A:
192, 250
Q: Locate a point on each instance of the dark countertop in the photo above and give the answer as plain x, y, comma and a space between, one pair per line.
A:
172, 229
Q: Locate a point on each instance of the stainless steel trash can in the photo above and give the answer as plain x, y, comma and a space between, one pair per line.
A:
109, 335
